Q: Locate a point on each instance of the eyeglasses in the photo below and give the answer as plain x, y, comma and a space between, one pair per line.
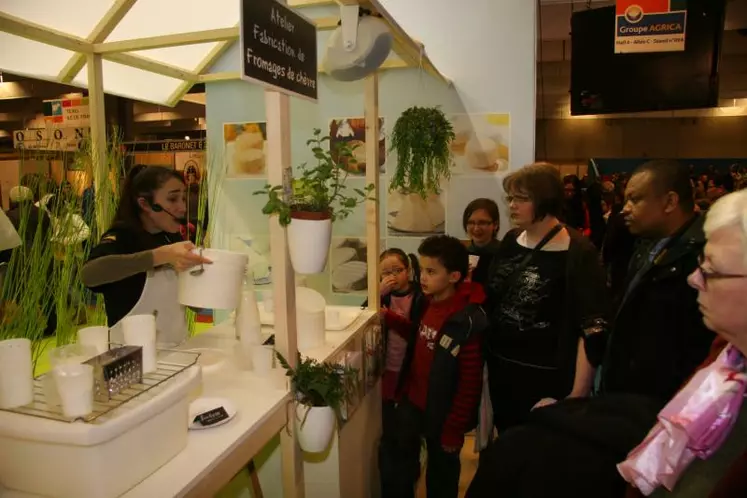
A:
707, 274
394, 272
518, 198
479, 223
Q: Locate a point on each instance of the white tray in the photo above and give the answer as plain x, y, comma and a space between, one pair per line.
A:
347, 314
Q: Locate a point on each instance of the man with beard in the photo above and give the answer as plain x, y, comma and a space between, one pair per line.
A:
658, 335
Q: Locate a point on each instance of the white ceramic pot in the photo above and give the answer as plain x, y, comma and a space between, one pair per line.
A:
315, 426
219, 286
308, 243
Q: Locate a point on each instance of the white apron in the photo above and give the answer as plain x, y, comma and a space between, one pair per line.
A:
159, 297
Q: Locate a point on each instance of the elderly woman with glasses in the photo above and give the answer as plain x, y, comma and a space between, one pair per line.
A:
699, 447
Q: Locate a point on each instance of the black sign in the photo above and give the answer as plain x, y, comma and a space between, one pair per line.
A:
211, 417
278, 48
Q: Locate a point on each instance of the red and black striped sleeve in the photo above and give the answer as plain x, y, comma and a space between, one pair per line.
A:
468, 392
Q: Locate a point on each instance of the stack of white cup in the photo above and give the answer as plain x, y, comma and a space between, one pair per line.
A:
140, 330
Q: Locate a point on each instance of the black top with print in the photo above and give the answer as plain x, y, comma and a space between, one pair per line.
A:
527, 320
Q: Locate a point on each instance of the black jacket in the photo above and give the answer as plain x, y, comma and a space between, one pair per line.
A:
468, 323
658, 337
566, 450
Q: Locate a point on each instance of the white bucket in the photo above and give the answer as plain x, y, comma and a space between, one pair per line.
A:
310, 318
16, 373
219, 286
308, 244
315, 428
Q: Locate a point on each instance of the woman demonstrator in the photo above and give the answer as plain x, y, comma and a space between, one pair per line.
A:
136, 263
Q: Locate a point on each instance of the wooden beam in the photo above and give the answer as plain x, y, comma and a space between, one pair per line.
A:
373, 131
176, 40
152, 66
100, 32
224, 76
277, 112
203, 66
42, 34
99, 161
180, 39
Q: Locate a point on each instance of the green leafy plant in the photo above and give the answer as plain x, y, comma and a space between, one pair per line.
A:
320, 384
42, 277
421, 139
320, 189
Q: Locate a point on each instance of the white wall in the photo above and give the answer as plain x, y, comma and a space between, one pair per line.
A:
487, 48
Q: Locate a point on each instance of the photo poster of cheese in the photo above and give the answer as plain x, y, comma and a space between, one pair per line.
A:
245, 149
481, 143
352, 131
413, 216
348, 265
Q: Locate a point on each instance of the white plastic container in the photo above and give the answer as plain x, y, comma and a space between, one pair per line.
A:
248, 325
78, 460
16, 373
140, 330
219, 285
96, 336
74, 384
262, 359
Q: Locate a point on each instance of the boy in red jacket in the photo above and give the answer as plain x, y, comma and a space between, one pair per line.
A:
441, 380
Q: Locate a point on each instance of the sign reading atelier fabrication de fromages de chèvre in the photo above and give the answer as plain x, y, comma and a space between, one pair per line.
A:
278, 48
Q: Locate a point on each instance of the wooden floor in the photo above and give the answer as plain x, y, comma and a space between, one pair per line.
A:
469, 466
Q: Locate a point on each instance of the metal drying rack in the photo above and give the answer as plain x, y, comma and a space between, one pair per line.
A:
178, 362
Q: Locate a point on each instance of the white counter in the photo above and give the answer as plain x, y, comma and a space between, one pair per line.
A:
211, 456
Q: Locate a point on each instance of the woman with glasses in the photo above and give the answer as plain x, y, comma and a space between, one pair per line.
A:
481, 222
547, 303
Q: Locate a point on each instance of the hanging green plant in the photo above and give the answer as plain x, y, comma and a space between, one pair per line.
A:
421, 138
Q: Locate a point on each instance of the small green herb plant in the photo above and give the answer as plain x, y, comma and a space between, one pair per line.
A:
320, 189
421, 138
321, 384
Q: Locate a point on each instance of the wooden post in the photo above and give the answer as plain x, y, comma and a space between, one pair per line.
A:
277, 111
99, 163
372, 177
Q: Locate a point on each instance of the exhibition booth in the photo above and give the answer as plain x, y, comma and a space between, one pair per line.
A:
297, 100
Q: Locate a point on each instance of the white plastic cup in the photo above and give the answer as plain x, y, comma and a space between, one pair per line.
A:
70, 354
74, 383
140, 330
262, 359
473, 260
16, 373
96, 337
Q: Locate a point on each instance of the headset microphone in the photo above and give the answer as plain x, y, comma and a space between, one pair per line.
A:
157, 208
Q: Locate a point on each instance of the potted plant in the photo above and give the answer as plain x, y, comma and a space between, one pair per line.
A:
318, 198
421, 138
321, 390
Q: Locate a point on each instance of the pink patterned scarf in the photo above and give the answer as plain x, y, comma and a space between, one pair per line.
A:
694, 424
